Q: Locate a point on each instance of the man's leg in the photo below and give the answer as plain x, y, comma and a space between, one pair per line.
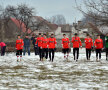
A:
46, 53
99, 53
106, 53
50, 54
17, 54
74, 53
96, 54
67, 51
24, 50
53, 52
77, 53
4, 48
20, 54
40, 53
35, 50
64, 51
28, 49
43, 53
1, 51
87, 54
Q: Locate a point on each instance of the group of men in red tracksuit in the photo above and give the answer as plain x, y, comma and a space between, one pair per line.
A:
77, 44
48, 46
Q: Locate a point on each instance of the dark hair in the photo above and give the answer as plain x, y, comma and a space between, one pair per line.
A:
33, 34
26, 34
64, 34
76, 34
18, 35
39, 33
44, 34
52, 34
98, 35
88, 35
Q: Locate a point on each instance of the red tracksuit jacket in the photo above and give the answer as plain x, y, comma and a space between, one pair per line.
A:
88, 43
19, 44
45, 43
51, 43
76, 42
39, 41
98, 43
2, 44
65, 42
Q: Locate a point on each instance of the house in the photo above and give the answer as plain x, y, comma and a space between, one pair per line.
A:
44, 26
9, 30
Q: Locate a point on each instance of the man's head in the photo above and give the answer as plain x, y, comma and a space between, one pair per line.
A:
19, 36
64, 35
76, 34
52, 35
98, 36
88, 35
26, 36
44, 35
39, 34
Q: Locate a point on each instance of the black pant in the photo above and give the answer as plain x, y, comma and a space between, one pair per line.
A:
45, 53
74, 52
51, 51
106, 53
88, 53
98, 52
40, 53
36, 49
19, 52
3, 50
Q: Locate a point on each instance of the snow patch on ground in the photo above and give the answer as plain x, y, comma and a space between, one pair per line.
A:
30, 73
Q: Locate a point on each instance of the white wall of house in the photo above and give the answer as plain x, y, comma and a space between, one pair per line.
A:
58, 33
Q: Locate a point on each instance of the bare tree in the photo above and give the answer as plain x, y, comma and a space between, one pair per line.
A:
22, 13
57, 19
96, 9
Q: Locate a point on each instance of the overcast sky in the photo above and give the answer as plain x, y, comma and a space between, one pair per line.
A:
47, 8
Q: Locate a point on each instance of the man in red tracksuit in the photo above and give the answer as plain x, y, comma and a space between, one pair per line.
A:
88, 46
44, 47
98, 45
3, 48
65, 46
19, 47
52, 45
76, 44
39, 42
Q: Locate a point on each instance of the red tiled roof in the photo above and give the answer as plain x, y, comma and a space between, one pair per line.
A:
23, 27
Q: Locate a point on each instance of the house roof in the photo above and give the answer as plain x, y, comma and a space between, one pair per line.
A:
44, 21
50, 25
23, 27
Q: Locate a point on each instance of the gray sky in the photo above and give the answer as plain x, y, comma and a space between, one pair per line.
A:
47, 8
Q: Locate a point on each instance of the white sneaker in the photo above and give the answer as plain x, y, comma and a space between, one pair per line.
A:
44, 59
